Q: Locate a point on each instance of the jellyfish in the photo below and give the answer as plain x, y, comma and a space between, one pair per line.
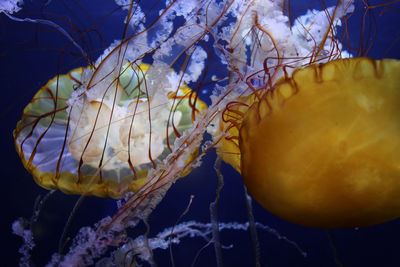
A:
129, 114
321, 148
332, 195
111, 133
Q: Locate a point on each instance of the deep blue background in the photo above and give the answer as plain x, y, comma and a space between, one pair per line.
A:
30, 56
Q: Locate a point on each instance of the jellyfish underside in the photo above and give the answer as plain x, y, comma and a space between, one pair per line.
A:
322, 149
102, 146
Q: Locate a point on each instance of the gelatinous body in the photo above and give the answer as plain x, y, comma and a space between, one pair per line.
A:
322, 148
100, 141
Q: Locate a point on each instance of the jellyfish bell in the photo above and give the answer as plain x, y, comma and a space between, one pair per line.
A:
272, 59
321, 149
101, 139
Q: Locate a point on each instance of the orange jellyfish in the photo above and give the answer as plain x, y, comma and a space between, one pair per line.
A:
295, 160
321, 148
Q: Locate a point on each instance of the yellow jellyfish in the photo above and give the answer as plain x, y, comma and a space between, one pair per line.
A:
322, 148
101, 141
